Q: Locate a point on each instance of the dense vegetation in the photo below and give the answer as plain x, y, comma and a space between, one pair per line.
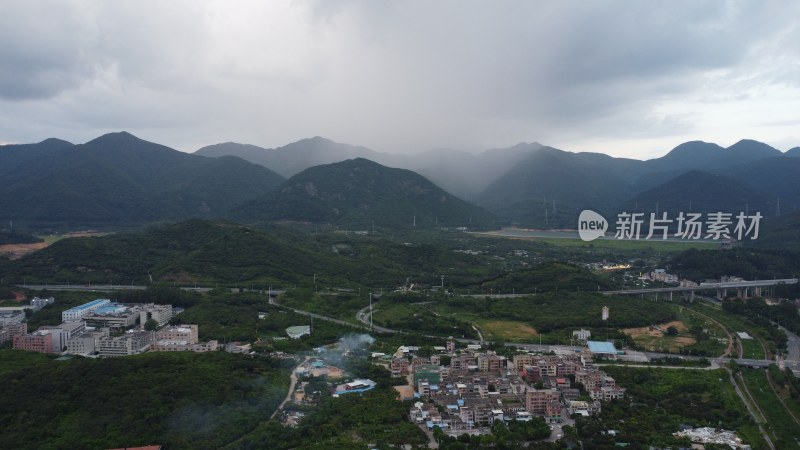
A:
348, 422
179, 400
748, 263
553, 313
658, 401
548, 277
361, 194
118, 180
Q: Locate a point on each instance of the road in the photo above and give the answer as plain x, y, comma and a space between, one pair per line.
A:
292, 384
100, 287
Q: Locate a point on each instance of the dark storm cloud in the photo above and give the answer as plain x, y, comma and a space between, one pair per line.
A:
402, 76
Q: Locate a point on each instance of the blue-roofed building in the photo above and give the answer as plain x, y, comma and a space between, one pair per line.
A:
602, 348
81, 311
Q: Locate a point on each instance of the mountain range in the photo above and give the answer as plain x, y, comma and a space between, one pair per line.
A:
119, 180
541, 186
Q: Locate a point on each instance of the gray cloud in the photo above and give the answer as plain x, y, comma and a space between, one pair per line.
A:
632, 78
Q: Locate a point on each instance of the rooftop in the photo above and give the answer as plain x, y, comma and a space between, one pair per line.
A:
602, 347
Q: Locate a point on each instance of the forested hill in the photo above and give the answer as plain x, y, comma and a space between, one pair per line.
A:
121, 180
360, 194
209, 252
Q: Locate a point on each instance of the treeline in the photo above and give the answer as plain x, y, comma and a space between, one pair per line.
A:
658, 401
178, 400
766, 316
553, 276
748, 263
348, 422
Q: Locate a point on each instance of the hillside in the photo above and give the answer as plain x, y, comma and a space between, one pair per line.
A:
548, 277
697, 191
775, 178
293, 158
360, 194
209, 252
120, 180
550, 187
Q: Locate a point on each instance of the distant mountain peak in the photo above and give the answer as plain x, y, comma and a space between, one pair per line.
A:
56, 141
116, 137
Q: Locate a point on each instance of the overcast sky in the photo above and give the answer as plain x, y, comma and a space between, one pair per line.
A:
628, 78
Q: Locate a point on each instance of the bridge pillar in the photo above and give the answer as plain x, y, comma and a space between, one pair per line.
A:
739, 292
719, 294
670, 296
757, 291
691, 296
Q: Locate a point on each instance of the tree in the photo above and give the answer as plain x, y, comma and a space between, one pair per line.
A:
672, 331
151, 325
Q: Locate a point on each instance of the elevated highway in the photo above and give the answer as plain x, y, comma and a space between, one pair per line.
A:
743, 288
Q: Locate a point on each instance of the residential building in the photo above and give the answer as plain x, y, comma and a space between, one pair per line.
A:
537, 401
399, 366
79, 312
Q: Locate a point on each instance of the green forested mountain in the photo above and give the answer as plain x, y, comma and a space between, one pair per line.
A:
360, 194
120, 180
697, 191
292, 158
550, 188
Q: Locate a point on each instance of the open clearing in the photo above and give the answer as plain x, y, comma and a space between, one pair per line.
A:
656, 338
506, 330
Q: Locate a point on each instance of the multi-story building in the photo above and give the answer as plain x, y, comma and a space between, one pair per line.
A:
181, 338
114, 316
39, 303
40, 341
490, 362
85, 343
11, 317
180, 346
79, 312
160, 313
537, 400
62, 333
522, 360
399, 366
131, 343
15, 329
185, 333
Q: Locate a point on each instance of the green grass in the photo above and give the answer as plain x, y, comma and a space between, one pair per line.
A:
343, 306
782, 428
751, 349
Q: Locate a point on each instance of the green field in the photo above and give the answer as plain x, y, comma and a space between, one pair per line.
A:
780, 425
